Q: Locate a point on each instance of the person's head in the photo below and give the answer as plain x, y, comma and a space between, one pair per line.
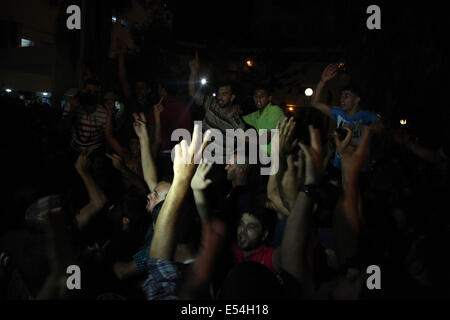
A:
157, 196
254, 228
141, 89
237, 173
350, 98
109, 99
225, 94
92, 86
261, 97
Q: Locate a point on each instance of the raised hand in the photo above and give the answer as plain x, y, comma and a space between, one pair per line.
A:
330, 72
83, 163
194, 63
158, 108
286, 130
353, 158
186, 156
199, 183
314, 157
140, 125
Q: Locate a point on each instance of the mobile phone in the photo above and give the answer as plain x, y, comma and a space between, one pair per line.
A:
341, 133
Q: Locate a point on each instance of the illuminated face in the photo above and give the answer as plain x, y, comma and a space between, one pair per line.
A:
250, 233
224, 96
157, 196
261, 98
349, 100
109, 99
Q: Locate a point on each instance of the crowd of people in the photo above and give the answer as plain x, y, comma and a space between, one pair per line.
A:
95, 185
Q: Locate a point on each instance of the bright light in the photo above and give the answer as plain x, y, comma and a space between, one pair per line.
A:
403, 122
249, 63
26, 43
8, 90
45, 94
309, 92
114, 19
214, 94
203, 81
291, 109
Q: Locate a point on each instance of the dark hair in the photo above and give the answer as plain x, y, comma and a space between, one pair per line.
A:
354, 89
92, 81
227, 83
263, 86
250, 280
265, 216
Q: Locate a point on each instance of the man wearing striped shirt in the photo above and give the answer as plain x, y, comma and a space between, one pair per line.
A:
220, 113
86, 118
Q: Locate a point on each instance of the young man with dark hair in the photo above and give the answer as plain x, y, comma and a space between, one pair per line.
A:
267, 116
349, 114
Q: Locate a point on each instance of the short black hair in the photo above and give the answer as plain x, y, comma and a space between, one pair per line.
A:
92, 81
263, 86
227, 83
355, 89
265, 216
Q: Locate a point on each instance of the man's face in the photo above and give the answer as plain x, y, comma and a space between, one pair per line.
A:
157, 196
225, 96
261, 98
250, 233
141, 90
348, 100
109, 99
91, 88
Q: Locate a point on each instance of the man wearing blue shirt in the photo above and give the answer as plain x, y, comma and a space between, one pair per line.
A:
348, 114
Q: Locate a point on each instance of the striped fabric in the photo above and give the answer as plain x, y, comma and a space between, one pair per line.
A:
88, 131
217, 118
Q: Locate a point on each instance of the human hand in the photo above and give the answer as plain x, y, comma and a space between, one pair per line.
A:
140, 125
353, 158
194, 63
116, 161
314, 157
330, 72
157, 109
186, 156
285, 140
199, 183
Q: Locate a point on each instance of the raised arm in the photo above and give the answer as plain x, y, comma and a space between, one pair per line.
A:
163, 243
157, 109
148, 165
298, 225
97, 198
132, 177
198, 184
328, 74
109, 135
123, 71
348, 214
194, 65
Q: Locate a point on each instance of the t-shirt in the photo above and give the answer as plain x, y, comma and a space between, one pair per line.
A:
263, 255
88, 130
355, 123
268, 120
